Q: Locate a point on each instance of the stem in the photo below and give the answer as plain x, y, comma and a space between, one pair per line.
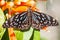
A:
10, 30
11, 34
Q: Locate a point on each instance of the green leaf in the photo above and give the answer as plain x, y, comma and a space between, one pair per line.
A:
36, 35
5, 36
19, 34
23, 35
27, 35
2, 19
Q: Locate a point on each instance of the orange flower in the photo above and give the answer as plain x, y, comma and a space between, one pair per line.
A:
2, 3
20, 8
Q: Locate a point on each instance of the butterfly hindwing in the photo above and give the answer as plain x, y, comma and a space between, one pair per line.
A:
35, 21
40, 20
19, 21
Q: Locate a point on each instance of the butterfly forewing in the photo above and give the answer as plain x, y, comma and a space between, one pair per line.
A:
19, 21
40, 20
26, 19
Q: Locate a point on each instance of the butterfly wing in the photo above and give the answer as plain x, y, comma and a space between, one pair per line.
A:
40, 20
19, 21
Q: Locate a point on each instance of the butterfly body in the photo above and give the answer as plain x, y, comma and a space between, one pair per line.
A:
25, 20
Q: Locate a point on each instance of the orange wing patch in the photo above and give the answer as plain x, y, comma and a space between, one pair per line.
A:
44, 28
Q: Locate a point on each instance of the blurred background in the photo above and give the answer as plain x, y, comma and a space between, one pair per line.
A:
50, 7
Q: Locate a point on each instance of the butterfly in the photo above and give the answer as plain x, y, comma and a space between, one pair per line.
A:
27, 19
